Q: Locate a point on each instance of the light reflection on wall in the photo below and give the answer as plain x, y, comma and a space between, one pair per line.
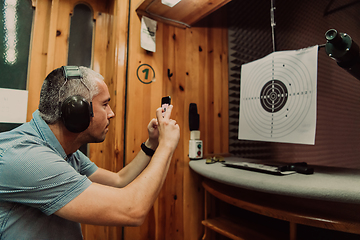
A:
10, 36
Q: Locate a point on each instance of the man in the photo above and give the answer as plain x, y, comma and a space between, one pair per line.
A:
48, 187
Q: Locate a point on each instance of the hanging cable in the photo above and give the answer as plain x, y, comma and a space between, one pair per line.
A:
273, 24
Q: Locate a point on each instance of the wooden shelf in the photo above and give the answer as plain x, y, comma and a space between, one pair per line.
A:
241, 230
271, 212
342, 217
184, 14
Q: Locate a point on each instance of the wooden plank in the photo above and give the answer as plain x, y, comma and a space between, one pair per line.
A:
62, 33
196, 75
225, 228
116, 74
52, 36
209, 87
38, 54
220, 46
223, 140
242, 229
187, 12
217, 86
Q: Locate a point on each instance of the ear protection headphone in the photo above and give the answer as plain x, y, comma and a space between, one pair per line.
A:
75, 111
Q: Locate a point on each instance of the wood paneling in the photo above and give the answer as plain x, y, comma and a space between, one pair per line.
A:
38, 56
197, 58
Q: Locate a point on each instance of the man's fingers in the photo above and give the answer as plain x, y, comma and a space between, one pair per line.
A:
159, 113
153, 123
168, 111
167, 115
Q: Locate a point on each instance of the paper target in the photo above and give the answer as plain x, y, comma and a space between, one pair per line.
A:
278, 97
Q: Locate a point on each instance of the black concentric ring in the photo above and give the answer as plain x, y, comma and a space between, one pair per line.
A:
273, 96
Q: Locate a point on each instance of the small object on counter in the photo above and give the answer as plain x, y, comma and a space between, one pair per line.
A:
214, 159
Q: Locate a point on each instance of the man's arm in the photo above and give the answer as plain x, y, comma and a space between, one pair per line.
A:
105, 205
125, 175
131, 170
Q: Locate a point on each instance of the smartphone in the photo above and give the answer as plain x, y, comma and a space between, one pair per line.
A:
165, 103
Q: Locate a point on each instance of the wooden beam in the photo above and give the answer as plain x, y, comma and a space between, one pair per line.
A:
184, 14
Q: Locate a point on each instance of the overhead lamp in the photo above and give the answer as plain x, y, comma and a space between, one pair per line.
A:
170, 3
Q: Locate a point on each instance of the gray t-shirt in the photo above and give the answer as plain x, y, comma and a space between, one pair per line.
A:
36, 180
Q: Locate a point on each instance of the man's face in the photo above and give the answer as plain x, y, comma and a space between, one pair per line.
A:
102, 114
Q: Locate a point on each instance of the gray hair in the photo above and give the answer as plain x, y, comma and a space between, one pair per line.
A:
53, 88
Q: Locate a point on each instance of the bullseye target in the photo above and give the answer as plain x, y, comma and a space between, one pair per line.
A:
278, 97
273, 96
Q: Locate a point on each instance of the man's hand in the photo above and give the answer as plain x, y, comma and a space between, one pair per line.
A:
169, 130
153, 140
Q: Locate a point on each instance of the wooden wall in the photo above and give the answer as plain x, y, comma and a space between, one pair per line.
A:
198, 59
